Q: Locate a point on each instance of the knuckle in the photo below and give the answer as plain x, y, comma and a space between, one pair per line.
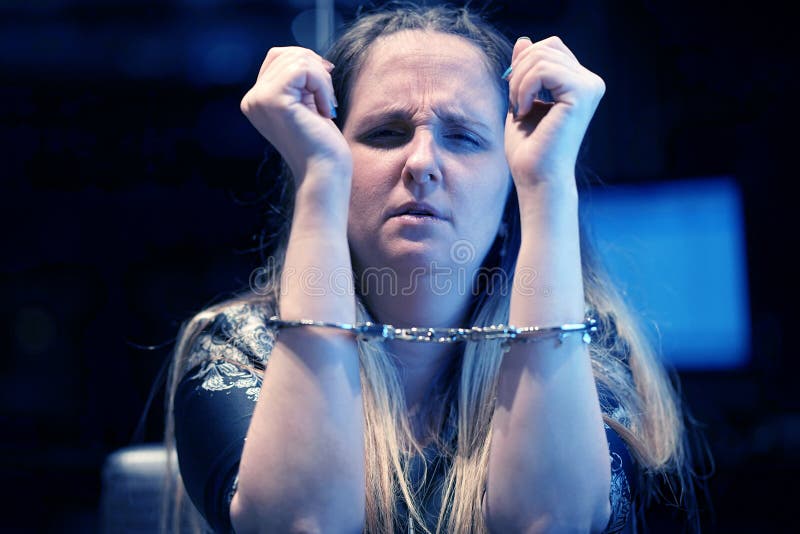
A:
554, 40
274, 52
301, 64
533, 53
540, 67
256, 101
600, 84
540, 55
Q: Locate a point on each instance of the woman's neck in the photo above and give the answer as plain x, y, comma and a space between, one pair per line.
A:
420, 363
419, 366
423, 303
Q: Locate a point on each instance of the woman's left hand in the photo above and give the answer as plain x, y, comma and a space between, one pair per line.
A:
542, 139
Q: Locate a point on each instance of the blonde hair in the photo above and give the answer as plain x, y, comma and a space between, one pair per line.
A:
640, 402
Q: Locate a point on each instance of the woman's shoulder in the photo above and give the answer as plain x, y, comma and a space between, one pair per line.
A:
233, 331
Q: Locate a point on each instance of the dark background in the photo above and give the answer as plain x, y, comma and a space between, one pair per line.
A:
129, 188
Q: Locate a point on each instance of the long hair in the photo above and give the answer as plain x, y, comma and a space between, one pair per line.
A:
638, 398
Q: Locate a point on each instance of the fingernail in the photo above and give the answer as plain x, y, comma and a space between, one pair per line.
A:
506, 74
545, 96
525, 37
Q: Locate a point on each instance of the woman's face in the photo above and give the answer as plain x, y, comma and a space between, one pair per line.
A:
430, 177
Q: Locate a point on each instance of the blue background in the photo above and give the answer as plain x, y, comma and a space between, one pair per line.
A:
677, 251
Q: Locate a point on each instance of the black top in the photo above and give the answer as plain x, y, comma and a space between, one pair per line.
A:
215, 400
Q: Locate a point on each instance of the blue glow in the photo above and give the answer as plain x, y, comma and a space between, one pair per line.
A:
225, 55
677, 250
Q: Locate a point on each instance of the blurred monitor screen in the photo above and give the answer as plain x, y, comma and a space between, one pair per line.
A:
677, 252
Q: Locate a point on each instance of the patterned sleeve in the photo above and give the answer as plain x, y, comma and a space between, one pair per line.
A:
623, 467
622, 479
214, 403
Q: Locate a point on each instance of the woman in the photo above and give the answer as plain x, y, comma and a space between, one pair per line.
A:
429, 186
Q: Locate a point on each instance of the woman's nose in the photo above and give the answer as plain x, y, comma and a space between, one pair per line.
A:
422, 164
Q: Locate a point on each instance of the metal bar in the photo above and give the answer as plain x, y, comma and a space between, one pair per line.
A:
324, 31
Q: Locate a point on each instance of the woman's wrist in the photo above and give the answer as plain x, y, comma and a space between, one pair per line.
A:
547, 203
549, 275
323, 201
564, 187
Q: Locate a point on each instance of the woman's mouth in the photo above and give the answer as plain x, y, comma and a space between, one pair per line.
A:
417, 211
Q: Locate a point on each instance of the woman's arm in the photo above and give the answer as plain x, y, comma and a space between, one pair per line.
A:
549, 466
302, 468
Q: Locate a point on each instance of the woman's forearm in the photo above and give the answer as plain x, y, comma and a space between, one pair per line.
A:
302, 467
548, 464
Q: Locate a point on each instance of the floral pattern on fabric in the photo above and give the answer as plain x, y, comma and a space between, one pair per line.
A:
219, 375
235, 341
620, 494
237, 334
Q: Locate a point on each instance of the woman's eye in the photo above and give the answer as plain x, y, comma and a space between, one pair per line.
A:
387, 133
464, 137
385, 137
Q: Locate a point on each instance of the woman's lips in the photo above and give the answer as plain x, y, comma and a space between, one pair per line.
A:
417, 209
416, 218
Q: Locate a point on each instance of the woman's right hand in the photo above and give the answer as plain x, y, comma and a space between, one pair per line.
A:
291, 105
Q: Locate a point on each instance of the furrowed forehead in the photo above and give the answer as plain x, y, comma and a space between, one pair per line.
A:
408, 45
449, 69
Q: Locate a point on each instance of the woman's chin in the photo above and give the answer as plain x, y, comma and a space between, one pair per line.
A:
417, 256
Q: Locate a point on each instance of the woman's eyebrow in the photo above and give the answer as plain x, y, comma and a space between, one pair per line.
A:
447, 115
452, 116
389, 114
